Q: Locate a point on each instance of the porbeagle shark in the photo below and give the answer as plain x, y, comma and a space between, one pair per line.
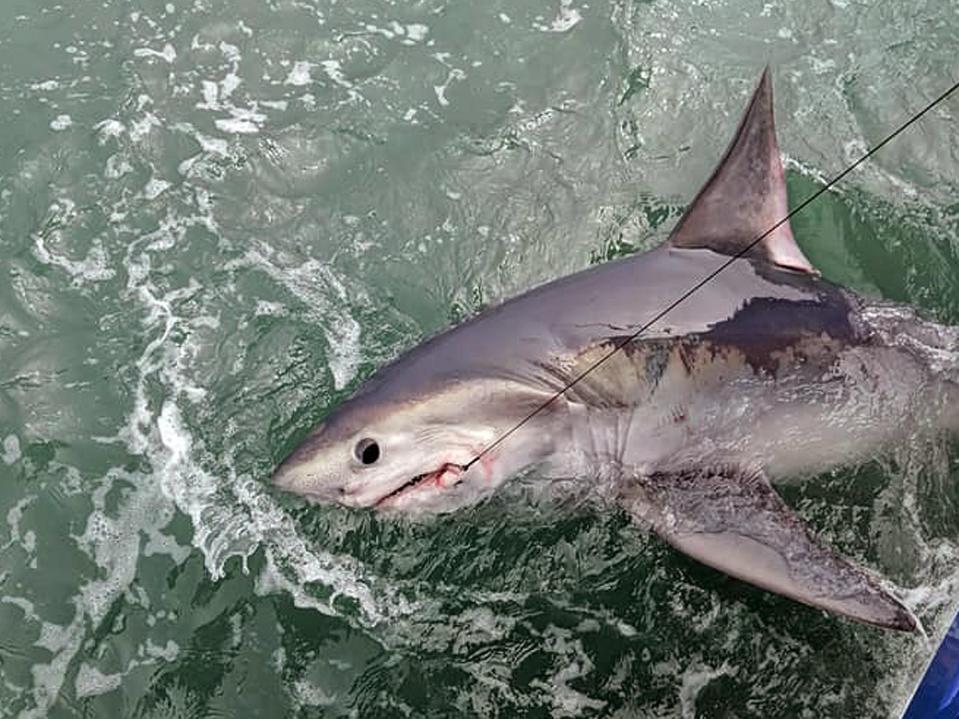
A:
767, 372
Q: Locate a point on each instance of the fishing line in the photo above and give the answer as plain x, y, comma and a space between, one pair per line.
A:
622, 342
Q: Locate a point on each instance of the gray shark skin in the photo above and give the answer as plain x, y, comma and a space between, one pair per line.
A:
768, 372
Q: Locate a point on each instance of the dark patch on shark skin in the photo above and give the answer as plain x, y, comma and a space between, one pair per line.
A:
686, 349
657, 360
767, 335
766, 329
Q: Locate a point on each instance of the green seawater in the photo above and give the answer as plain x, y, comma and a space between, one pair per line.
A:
217, 218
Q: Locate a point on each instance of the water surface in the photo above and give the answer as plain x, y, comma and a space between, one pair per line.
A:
217, 218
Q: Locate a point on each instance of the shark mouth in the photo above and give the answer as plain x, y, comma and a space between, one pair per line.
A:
443, 478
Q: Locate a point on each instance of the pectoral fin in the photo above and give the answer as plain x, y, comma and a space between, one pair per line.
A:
733, 520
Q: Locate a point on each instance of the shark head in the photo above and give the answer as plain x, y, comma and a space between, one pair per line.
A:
397, 450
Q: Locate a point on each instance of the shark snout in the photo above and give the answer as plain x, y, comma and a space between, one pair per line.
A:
288, 475
291, 478
301, 474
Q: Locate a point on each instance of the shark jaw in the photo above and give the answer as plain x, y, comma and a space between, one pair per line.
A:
431, 489
444, 478
405, 492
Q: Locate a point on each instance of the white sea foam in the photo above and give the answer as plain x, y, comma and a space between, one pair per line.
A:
109, 129
154, 188
11, 449
112, 540
142, 127
440, 90
25, 605
116, 167
315, 283
218, 96
48, 678
113, 534
92, 682
695, 677
417, 32
168, 53
61, 122
167, 652
567, 18
572, 663
46, 85
95, 267
26, 539
300, 74
266, 308
214, 145
237, 126
334, 71
306, 693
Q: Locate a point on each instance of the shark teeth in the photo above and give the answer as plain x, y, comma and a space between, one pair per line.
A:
443, 478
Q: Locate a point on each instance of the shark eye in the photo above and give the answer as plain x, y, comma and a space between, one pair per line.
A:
367, 450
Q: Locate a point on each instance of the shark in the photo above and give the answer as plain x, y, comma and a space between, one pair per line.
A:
766, 373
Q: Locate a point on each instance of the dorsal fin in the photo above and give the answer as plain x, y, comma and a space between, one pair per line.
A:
746, 194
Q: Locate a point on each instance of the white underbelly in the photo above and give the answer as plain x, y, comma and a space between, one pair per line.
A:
791, 427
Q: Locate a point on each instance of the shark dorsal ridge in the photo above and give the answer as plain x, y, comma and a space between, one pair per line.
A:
746, 194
